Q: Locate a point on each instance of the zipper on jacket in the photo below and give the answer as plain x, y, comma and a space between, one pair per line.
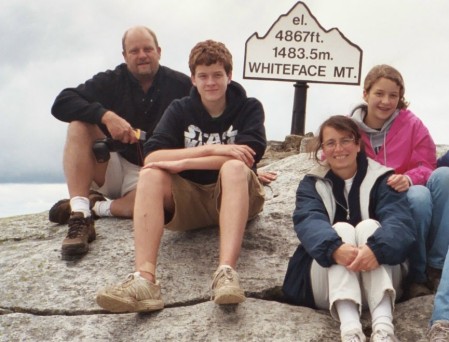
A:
348, 213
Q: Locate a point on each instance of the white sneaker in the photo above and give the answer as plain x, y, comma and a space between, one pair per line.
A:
226, 286
134, 294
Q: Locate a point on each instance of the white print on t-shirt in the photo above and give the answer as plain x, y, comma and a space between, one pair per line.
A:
195, 137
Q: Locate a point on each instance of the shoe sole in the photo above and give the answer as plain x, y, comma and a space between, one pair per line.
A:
73, 253
120, 305
229, 296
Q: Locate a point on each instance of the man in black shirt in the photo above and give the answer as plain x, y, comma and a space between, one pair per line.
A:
115, 105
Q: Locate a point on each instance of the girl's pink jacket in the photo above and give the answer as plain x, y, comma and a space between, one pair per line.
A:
408, 148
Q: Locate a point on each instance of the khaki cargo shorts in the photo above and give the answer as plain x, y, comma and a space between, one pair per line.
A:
198, 206
121, 177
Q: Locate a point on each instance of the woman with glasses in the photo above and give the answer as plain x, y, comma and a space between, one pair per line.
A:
355, 232
395, 137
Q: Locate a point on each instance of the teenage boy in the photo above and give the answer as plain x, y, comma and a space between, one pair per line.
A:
199, 171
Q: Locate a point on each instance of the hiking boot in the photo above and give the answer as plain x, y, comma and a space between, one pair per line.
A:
433, 276
60, 211
81, 232
439, 331
134, 294
383, 336
354, 335
226, 287
416, 290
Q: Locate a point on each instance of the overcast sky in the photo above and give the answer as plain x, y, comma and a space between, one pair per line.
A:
48, 45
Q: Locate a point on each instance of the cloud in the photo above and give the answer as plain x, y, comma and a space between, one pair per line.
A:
53, 44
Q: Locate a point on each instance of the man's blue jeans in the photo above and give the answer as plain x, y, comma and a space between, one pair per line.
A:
430, 210
441, 304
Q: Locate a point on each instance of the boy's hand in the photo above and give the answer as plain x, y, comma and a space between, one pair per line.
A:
175, 166
240, 152
266, 177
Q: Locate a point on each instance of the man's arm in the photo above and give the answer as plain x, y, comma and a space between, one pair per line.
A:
119, 128
89, 101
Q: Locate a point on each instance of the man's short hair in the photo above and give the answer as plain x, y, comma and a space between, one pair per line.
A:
141, 27
210, 52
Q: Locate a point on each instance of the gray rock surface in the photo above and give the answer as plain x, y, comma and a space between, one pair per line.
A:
43, 298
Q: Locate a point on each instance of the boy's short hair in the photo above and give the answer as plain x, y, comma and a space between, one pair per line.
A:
210, 52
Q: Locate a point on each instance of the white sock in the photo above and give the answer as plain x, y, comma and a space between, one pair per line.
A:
102, 208
382, 315
348, 314
81, 205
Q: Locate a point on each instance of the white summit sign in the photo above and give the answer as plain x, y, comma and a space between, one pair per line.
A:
298, 48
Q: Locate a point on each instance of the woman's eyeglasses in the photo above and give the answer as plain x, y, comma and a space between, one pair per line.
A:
330, 145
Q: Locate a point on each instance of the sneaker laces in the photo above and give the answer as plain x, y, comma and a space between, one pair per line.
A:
224, 274
129, 278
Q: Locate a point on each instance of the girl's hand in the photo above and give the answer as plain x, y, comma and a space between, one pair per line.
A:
400, 183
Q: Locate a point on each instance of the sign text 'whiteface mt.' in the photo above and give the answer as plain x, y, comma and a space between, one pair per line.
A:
298, 48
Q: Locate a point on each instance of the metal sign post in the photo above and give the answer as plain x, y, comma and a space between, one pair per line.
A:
299, 108
297, 48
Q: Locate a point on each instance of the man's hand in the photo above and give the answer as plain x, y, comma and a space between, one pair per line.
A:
241, 152
400, 183
266, 177
365, 260
119, 128
345, 254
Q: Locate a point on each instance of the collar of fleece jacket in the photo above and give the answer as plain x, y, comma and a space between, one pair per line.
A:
338, 186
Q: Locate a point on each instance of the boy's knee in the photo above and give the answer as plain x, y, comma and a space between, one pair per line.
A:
234, 169
150, 177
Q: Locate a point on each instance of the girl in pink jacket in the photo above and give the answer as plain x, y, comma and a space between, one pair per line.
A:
397, 138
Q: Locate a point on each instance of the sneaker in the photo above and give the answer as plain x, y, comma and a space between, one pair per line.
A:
439, 331
226, 286
433, 276
354, 335
81, 232
60, 211
134, 294
383, 336
416, 290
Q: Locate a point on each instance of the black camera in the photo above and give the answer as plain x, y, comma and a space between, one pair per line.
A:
102, 147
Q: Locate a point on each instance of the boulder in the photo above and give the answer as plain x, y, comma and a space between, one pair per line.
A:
44, 298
